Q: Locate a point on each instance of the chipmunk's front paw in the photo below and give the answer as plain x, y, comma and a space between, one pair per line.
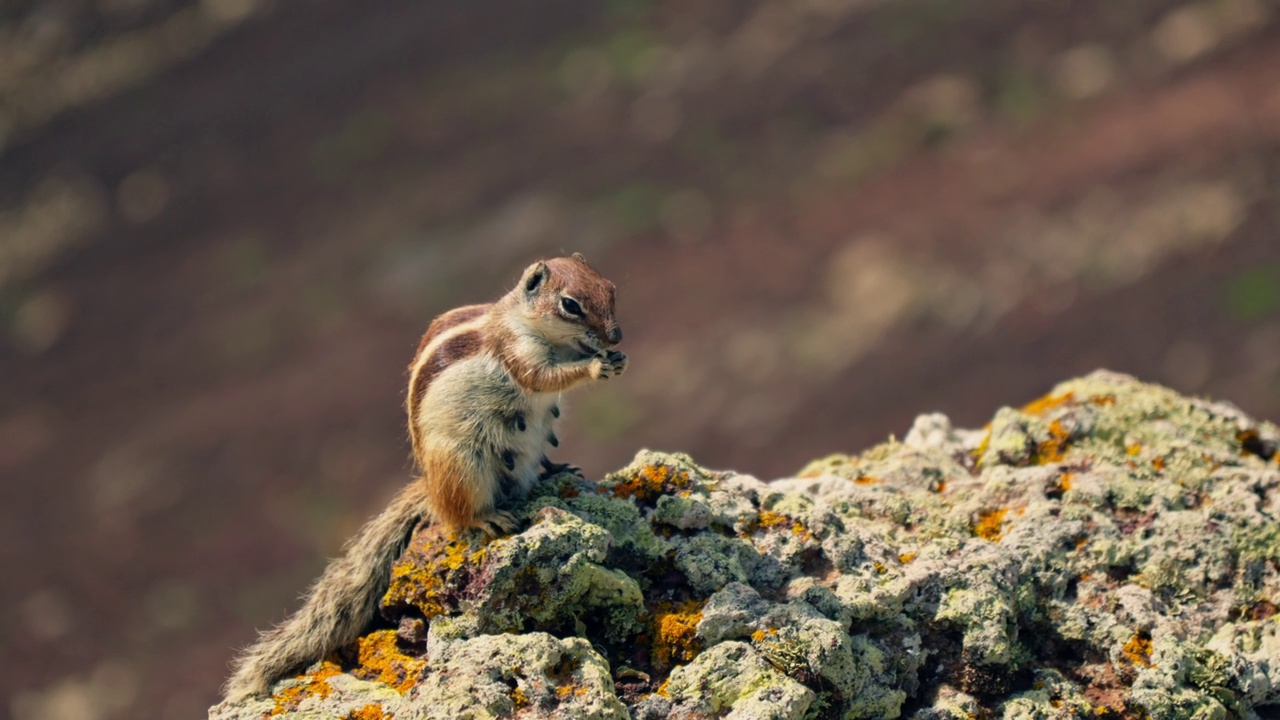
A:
552, 469
610, 364
617, 361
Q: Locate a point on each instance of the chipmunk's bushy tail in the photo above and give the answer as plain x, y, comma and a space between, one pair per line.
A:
338, 606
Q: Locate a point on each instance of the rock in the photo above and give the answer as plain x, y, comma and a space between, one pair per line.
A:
1109, 550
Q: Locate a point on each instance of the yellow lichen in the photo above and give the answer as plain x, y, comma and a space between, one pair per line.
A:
435, 563
905, 558
565, 691
372, 711
1053, 449
881, 569
990, 525
1133, 449
1138, 650
675, 633
769, 518
865, 480
315, 684
652, 481
381, 661
761, 635
1048, 402
981, 449
519, 698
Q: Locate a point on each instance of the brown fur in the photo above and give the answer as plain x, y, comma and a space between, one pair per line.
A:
523, 350
447, 490
535, 376
451, 318
572, 275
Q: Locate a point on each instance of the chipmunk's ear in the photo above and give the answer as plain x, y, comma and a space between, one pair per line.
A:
533, 277
579, 257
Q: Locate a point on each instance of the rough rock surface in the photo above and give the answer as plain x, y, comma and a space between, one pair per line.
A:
1110, 550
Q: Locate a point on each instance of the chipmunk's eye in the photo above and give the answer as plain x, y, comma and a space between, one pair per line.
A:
571, 306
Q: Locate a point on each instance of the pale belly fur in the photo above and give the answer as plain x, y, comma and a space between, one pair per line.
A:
471, 410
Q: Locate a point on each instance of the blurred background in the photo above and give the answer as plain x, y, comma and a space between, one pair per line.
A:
224, 225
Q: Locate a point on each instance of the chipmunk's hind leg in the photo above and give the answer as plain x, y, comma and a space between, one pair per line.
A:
497, 523
454, 491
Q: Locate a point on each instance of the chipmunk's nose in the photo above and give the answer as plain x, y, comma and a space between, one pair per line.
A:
614, 335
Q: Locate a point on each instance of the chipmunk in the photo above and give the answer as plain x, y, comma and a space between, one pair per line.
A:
482, 403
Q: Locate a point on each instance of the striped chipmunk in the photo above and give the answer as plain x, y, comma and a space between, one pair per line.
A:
483, 399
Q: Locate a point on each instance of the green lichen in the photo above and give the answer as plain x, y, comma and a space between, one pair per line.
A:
731, 680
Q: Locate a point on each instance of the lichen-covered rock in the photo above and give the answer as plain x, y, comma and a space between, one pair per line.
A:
733, 681
1110, 550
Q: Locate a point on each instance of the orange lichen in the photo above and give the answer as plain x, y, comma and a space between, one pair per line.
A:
769, 518
569, 491
315, 684
565, 691
434, 563
1047, 403
1157, 463
865, 480
880, 568
1082, 542
990, 524
675, 633
519, 699
1107, 399
939, 486
1138, 650
372, 711
762, 635
652, 481
905, 558
1053, 449
381, 661
662, 689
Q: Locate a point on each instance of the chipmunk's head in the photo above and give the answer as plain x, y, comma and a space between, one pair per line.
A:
570, 304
